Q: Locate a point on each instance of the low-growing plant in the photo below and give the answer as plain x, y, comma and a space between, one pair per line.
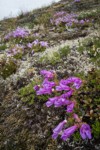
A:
7, 68
81, 106
71, 20
37, 46
96, 129
64, 51
3, 47
44, 19
89, 101
28, 95
92, 47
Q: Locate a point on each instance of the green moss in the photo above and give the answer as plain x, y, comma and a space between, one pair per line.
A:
7, 69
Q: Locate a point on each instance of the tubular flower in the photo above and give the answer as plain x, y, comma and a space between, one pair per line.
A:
47, 83
46, 87
62, 87
51, 101
85, 131
58, 129
70, 107
45, 90
57, 101
76, 82
68, 132
61, 102
68, 94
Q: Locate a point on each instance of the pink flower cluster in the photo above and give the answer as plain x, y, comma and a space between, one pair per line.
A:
67, 19
37, 43
66, 87
19, 32
18, 49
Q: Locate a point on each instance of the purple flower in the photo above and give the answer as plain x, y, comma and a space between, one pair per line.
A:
76, 0
44, 44
76, 82
29, 45
36, 87
58, 129
42, 91
68, 94
62, 87
20, 32
57, 101
36, 42
47, 74
8, 36
68, 132
46, 87
61, 102
47, 83
70, 107
82, 21
51, 101
85, 131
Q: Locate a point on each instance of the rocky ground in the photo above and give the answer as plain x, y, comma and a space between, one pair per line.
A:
26, 125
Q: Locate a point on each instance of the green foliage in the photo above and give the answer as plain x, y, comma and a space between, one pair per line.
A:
18, 56
80, 49
39, 48
27, 93
7, 68
3, 47
96, 129
55, 58
94, 14
44, 19
76, 136
64, 51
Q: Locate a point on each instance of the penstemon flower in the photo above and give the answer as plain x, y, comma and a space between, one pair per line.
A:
68, 132
85, 131
58, 129
66, 88
70, 107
